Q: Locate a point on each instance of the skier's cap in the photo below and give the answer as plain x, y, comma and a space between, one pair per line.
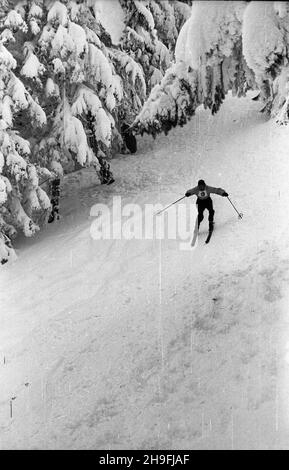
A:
201, 183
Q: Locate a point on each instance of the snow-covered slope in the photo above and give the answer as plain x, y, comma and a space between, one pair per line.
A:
137, 344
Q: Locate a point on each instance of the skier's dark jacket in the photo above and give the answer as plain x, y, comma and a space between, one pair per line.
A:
205, 193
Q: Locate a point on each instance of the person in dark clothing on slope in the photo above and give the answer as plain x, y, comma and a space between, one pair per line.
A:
204, 201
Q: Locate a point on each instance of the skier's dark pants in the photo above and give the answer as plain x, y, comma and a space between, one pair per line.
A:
202, 205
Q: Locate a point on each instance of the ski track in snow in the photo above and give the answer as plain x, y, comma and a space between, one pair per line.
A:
137, 344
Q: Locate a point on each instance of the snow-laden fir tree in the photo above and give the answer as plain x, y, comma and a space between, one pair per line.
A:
82, 84
140, 37
21, 197
150, 35
140, 41
66, 84
169, 17
85, 85
224, 46
265, 42
208, 63
79, 87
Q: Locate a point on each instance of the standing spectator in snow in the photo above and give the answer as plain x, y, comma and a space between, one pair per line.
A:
204, 201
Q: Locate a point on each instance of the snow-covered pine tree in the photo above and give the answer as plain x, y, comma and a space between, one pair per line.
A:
265, 42
171, 103
20, 194
68, 68
140, 40
209, 63
140, 43
61, 69
169, 17
152, 28
79, 86
132, 89
82, 81
65, 54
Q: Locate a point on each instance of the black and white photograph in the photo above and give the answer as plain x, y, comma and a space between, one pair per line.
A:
144, 228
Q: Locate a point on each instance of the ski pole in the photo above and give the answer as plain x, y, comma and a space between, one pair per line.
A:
159, 212
239, 213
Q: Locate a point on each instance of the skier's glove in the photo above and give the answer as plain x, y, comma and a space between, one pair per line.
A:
187, 194
225, 194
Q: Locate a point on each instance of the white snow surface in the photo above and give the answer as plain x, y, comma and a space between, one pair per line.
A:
137, 344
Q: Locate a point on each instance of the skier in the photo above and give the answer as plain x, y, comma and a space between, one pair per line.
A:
204, 201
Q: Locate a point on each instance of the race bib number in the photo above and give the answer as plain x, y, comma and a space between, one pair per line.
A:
202, 194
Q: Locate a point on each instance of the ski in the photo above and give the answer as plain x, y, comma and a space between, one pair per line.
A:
211, 229
209, 236
195, 234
